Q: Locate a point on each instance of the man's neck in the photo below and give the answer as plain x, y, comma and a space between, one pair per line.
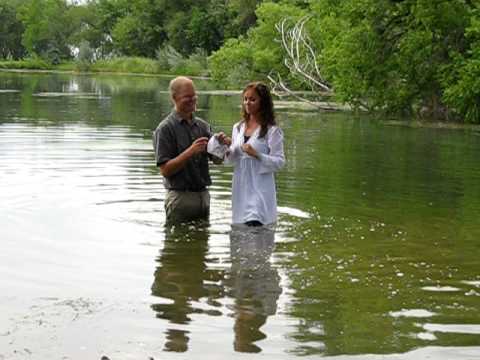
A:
185, 116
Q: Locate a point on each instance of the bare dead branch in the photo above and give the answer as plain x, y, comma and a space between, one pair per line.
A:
301, 57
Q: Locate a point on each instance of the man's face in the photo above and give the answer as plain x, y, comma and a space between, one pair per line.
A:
185, 99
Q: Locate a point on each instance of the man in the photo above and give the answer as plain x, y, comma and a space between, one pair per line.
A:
180, 142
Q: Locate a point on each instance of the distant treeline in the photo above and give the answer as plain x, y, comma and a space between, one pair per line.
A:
50, 28
409, 57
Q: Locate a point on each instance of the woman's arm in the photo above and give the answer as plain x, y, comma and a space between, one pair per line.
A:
275, 159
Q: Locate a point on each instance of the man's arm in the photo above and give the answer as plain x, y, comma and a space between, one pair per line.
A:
172, 166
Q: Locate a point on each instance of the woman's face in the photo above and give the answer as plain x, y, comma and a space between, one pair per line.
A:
251, 101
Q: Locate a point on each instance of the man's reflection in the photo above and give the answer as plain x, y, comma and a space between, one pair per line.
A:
255, 284
181, 276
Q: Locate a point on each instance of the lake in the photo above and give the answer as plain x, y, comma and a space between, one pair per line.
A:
376, 254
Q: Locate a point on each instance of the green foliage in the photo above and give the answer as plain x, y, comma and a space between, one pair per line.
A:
11, 30
89, 24
382, 55
127, 65
33, 63
170, 60
393, 56
243, 15
462, 78
195, 64
233, 64
400, 57
51, 29
125, 35
253, 56
85, 56
168, 57
47, 29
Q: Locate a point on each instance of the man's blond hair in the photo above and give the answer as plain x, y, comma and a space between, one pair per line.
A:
177, 83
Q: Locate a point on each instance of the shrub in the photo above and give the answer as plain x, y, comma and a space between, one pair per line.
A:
137, 65
85, 56
168, 58
33, 63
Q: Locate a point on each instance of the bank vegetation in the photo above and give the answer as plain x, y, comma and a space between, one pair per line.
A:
402, 57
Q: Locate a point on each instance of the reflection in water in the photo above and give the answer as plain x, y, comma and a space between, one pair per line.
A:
183, 278
189, 286
255, 284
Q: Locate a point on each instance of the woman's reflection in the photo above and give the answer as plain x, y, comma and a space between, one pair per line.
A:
255, 284
182, 276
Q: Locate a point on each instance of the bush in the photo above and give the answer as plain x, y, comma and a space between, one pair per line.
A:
463, 96
34, 63
232, 64
168, 58
137, 65
254, 56
85, 56
196, 64
462, 78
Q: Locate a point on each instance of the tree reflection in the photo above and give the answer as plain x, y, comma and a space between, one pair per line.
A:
182, 276
254, 282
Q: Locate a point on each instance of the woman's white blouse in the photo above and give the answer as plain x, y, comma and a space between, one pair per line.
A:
253, 188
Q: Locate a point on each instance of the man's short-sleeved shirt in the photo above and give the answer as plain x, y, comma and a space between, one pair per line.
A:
173, 136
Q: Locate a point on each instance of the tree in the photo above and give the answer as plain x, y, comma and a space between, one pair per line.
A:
259, 52
394, 55
47, 28
462, 77
11, 30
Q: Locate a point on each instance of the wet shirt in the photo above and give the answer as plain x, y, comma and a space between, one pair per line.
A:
253, 185
173, 136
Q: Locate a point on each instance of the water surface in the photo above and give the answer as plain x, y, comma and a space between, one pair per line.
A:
376, 251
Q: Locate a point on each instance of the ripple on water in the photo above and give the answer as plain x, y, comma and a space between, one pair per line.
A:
441, 288
79, 95
293, 212
453, 328
416, 313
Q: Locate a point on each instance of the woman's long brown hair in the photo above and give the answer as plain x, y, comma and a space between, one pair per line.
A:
267, 115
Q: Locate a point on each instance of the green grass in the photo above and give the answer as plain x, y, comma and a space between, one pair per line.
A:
30, 64
66, 66
133, 65
136, 65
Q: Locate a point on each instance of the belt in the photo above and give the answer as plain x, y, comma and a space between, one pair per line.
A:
190, 189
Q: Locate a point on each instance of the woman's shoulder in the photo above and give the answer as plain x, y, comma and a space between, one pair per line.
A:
237, 126
275, 129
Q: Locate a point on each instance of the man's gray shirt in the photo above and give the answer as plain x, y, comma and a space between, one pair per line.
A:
173, 136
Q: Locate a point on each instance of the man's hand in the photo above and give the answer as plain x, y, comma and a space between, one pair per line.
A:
198, 146
250, 150
174, 165
223, 139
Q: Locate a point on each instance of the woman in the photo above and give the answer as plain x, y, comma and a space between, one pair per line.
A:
256, 152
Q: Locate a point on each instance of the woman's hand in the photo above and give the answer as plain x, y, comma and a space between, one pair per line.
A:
249, 149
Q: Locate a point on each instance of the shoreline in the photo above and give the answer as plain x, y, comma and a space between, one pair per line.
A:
90, 73
319, 106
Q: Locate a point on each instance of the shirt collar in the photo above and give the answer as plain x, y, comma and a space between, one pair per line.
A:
178, 118
253, 135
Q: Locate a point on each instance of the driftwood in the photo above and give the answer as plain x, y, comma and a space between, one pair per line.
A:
301, 56
281, 90
301, 59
